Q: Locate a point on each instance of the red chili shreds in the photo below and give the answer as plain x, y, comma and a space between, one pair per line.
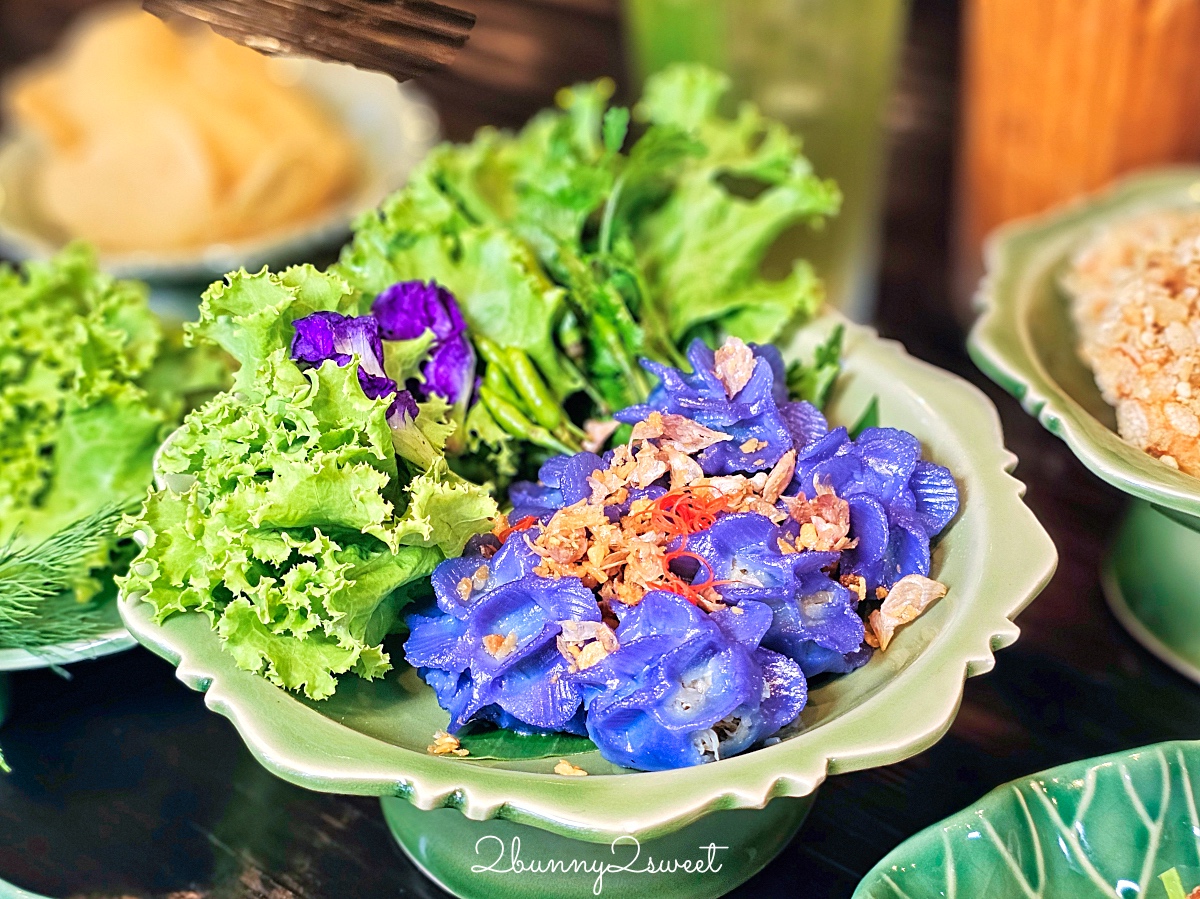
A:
627, 558
523, 525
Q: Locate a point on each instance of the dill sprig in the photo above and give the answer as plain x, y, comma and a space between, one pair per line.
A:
38, 607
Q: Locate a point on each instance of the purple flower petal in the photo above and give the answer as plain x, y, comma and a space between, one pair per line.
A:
405, 310
329, 335
376, 386
360, 336
313, 340
403, 409
450, 370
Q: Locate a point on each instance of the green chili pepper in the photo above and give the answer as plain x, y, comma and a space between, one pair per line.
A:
514, 422
498, 384
532, 394
538, 398
491, 351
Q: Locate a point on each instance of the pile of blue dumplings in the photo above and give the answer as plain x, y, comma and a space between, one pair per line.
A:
683, 686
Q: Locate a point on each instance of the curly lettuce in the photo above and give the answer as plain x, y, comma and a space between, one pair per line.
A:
598, 235
287, 509
89, 385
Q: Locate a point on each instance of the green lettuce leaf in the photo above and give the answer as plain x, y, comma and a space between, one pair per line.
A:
284, 512
445, 511
703, 247
89, 385
589, 245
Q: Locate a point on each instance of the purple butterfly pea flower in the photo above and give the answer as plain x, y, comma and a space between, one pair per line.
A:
402, 410
406, 310
450, 371
331, 335
314, 338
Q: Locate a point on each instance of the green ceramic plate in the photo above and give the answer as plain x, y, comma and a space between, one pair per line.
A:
116, 640
1026, 342
1102, 828
371, 737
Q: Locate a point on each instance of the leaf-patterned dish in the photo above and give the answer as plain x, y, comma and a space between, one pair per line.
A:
1103, 828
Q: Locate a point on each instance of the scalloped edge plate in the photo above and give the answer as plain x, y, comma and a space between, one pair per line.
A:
1019, 257
1001, 552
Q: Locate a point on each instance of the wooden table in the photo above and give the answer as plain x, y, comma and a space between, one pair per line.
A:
126, 786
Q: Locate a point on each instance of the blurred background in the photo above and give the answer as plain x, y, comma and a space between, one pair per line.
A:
940, 119
831, 80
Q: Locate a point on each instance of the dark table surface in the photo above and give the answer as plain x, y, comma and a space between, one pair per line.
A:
126, 786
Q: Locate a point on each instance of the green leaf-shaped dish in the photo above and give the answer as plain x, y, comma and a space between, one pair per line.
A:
371, 738
1026, 342
1102, 828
